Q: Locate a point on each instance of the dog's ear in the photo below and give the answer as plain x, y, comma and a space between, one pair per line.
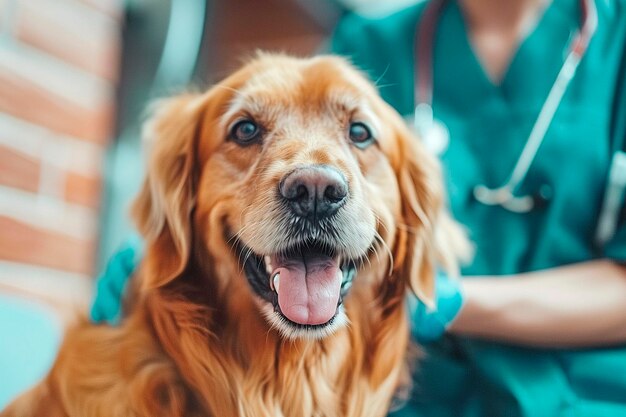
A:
164, 206
428, 238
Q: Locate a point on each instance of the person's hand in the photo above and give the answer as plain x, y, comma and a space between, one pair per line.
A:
427, 324
107, 304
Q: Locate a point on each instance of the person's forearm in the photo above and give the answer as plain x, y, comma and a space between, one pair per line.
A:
580, 305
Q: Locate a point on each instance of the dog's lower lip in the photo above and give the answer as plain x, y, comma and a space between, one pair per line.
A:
306, 326
268, 264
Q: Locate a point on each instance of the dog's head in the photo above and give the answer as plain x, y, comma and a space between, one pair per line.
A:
296, 181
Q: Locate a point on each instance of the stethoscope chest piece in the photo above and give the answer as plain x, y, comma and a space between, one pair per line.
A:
503, 197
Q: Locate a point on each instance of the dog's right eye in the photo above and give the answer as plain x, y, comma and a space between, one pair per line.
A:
245, 132
360, 134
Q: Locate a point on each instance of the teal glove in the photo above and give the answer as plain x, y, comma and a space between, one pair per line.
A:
107, 305
428, 325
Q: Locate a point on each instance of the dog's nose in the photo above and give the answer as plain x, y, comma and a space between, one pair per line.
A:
314, 192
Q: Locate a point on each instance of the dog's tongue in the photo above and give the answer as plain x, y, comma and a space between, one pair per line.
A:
308, 288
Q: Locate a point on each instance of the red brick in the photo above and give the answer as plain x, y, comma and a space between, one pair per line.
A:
20, 242
83, 190
21, 98
18, 170
57, 28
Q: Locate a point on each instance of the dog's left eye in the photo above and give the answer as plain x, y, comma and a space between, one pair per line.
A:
245, 132
360, 134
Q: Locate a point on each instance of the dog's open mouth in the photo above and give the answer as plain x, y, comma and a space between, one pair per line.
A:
305, 284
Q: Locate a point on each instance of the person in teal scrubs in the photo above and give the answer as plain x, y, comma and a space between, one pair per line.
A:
542, 328
538, 325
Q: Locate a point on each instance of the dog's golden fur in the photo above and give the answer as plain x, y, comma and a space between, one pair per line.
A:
195, 342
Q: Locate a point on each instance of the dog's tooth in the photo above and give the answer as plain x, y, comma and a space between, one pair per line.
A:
275, 282
268, 265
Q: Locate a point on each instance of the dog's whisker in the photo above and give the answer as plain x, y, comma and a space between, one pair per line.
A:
236, 240
407, 228
384, 244
381, 77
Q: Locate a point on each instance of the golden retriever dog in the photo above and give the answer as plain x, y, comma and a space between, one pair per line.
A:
287, 212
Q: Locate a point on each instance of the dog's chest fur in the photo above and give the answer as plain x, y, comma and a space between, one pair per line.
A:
245, 372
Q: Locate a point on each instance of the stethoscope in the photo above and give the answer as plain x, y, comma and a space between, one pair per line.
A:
435, 134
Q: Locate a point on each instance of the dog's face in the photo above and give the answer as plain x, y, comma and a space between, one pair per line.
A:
297, 181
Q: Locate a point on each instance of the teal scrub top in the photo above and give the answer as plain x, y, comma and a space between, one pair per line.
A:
489, 125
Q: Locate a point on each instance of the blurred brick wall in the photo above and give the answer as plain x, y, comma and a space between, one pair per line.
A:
58, 71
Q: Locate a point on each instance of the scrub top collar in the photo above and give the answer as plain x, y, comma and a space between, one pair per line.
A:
461, 79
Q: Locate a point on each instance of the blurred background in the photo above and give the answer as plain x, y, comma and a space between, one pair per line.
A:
75, 78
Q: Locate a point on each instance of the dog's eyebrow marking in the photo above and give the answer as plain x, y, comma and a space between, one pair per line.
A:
253, 105
358, 109
258, 94
345, 100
